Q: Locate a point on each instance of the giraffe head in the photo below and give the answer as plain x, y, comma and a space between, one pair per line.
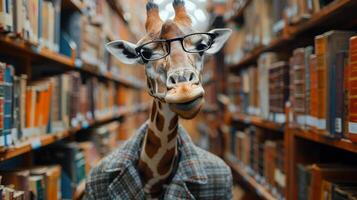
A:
173, 54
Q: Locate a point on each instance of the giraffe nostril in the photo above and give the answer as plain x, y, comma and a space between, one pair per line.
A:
191, 77
172, 80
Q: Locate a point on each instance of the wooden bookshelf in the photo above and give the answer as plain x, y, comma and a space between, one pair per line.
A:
258, 121
311, 135
320, 21
47, 139
259, 189
21, 48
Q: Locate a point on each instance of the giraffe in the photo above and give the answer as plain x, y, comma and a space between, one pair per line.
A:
173, 55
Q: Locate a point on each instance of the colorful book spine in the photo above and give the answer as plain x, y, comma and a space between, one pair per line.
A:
320, 51
2, 97
8, 83
352, 84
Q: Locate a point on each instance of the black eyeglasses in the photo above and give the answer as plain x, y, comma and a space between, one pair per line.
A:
192, 43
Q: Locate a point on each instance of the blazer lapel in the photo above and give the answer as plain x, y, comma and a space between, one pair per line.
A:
127, 185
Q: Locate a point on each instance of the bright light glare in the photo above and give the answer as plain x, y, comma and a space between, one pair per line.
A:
200, 15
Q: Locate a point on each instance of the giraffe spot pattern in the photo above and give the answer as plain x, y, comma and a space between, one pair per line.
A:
172, 135
159, 122
145, 171
173, 122
153, 111
166, 161
153, 144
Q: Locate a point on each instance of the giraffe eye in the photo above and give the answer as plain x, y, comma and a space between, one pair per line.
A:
197, 43
154, 50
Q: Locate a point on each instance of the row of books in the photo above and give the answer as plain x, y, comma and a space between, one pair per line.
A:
317, 80
326, 181
81, 35
265, 20
52, 104
262, 90
36, 21
322, 89
60, 167
261, 155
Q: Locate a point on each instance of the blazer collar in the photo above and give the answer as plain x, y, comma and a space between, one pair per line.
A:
189, 169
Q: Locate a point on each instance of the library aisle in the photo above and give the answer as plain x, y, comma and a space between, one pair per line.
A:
276, 99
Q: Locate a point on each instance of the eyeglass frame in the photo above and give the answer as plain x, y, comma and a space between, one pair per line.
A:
168, 42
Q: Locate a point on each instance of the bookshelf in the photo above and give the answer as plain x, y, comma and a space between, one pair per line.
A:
247, 179
44, 140
338, 10
303, 145
311, 135
78, 94
23, 49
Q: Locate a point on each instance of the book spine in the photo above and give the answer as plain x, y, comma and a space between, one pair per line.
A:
8, 82
313, 92
338, 68
352, 93
2, 97
320, 45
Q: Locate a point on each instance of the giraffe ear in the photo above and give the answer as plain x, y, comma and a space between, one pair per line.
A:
221, 36
124, 51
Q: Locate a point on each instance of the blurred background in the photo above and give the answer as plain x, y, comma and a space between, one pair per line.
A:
279, 105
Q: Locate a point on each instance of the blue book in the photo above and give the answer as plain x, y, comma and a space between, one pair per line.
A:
39, 31
8, 83
2, 97
57, 6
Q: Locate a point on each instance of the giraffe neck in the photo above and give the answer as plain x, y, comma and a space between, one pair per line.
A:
159, 148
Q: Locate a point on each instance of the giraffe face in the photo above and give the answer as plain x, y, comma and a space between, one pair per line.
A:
173, 57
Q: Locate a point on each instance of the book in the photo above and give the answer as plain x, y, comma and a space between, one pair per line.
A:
319, 172
326, 47
338, 70
7, 118
264, 63
303, 181
352, 116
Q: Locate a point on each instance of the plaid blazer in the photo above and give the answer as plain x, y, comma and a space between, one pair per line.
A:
199, 174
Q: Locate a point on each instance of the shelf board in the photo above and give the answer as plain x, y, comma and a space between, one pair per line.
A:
324, 16
75, 5
320, 21
251, 57
258, 121
21, 48
311, 135
259, 189
46, 139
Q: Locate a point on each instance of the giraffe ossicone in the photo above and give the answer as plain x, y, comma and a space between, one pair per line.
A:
173, 58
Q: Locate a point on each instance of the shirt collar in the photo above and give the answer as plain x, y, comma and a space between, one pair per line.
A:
189, 168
